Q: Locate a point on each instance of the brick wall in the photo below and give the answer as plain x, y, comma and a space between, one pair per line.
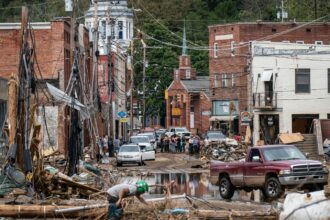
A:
241, 34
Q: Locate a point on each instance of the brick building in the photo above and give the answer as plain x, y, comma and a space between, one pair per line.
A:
118, 82
52, 43
187, 99
229, 61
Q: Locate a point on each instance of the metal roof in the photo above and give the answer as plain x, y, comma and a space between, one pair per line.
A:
200, 84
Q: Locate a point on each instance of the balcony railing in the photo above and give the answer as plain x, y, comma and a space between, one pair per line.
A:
265, 101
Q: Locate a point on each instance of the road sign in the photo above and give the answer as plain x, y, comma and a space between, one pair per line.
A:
123, 120
122, 114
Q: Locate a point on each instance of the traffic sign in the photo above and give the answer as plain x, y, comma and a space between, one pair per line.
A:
123, 120
122, 114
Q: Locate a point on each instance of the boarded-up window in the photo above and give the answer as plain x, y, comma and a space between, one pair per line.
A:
303, 81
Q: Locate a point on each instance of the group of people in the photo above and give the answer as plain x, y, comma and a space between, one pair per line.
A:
107, 146
179, 144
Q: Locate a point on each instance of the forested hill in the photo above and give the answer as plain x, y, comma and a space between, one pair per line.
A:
163, 22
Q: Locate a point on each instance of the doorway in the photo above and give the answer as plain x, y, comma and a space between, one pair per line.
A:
269, 92
269, 128
303, 123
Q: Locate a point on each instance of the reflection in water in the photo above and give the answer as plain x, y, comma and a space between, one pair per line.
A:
193, 184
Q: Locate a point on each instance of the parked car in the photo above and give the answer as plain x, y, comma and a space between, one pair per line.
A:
152, 138
270, 168
133, 153
180, 131
215, 137
141, 140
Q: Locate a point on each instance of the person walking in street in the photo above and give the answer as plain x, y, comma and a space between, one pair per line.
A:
182, 144
117, 193
167, 144
162, 144
177, 146
110, 146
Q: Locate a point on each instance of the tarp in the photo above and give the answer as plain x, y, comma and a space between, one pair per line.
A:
288, 138
61, 96
266, 75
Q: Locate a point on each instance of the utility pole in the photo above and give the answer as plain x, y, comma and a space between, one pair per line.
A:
110, 113
282, 10
94, 77
144, 84
132, 88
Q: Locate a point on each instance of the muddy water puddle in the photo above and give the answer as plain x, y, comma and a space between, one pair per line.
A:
192, 183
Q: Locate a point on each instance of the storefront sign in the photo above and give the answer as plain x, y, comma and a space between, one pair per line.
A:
206, 113
246, 118
176, 111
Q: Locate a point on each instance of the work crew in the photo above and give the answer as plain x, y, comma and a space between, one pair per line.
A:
118, 192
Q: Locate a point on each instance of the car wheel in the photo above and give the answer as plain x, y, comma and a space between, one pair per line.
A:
119, 164
326, 158
226, 188
273, 188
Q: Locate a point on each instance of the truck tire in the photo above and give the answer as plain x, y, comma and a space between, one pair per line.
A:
226, 188
273, 188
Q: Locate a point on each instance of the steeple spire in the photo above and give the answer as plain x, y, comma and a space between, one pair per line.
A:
184, 41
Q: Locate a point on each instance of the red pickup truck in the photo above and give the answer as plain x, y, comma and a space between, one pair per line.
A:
270, 168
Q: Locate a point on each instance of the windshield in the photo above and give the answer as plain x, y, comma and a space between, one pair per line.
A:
150, 136
283, 153
216, 136
180, 130
139, 139
129, 149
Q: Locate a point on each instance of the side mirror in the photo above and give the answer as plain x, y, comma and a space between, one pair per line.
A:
256, 159
306, 155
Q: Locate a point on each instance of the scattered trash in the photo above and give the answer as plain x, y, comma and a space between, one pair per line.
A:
229, 150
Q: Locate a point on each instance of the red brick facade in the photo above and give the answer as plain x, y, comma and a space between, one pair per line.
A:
52, 43
185, 105
229, 54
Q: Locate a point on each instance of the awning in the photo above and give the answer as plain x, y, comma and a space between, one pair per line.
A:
266, 75
61, 96
222, 118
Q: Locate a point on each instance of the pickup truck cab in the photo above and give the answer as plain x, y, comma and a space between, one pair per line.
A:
270, 168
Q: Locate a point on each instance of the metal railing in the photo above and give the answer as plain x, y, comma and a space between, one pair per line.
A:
267, 100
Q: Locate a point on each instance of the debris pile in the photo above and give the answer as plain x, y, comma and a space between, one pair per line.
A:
226, 151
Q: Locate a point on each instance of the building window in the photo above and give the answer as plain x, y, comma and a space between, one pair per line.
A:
303, 81
224, 80
120, 30
188, 74
233, 80
328, 80
319, 42
215, 81
300, 42
221, 107
215, 50
176, 74
286, 41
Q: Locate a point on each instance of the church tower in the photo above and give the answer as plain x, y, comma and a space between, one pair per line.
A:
185, 70
118, 30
